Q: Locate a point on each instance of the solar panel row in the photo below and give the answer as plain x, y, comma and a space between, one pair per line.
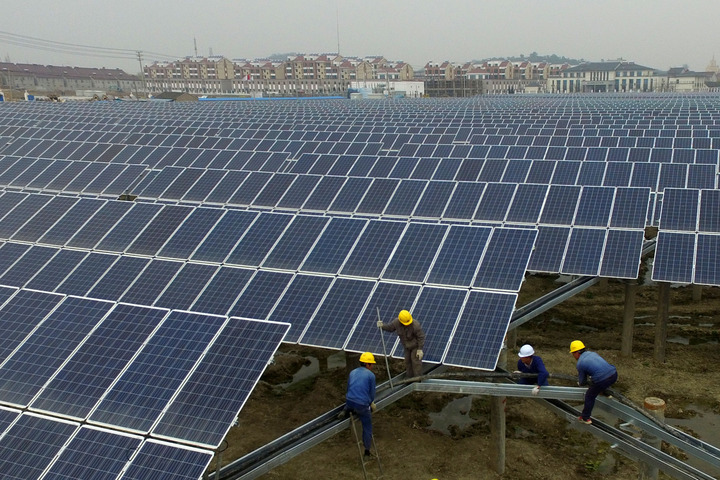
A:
131, 368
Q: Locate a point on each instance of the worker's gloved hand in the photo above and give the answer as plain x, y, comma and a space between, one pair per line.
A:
517, 372
373, 407
379, 323
419, 354
536, 390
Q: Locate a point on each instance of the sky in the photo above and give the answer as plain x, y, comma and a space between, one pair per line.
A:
98, 33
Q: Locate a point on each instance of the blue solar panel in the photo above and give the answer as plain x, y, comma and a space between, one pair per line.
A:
295, 243
44, 219
21, 314
150, 283
263, 291
459, 256
345, 299
94, 454
186, 286
350, 195
71, 222
333, 246
621, 258
594, 206
27, 266
161, 460
560, 205
118, 278
259, 239
249, 189
21, 214
680, 210
162, 226
144, 389
480, 330
299, 302
82, 381
222, 291
389, 298
527, 203
437, 310
97, 227
323, 195
707, 259
29, 446
377, 196
630, 208
415, 252
464, 201
127, 229
709, 218
71, 321
495, 202
373, 249
434, 200
224, 236
505, 259
298, 192
81, 280
210, 400
226, 187
584, 251
674, 257
191, 233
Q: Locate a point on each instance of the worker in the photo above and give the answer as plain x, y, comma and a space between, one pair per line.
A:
412, 338
531, 363
602, 374
360, 397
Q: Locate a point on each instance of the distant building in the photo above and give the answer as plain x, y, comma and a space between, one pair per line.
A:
67, 80
614, 76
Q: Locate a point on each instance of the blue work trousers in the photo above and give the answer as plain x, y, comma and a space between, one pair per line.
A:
364, 414
593, 391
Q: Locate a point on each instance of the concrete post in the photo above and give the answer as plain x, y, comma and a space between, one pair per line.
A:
628, 319
497, 420
662, 321
697, 293
656, 408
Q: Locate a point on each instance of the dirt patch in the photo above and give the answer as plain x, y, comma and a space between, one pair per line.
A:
539, 444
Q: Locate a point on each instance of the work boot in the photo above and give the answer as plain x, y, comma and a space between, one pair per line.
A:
368, 454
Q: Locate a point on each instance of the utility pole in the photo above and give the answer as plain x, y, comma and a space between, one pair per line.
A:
142, 72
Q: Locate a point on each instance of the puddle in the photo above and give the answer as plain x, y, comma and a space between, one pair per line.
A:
706, 426
456, 414
311, 368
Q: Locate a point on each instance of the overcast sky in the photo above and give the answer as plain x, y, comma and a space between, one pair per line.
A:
654, 33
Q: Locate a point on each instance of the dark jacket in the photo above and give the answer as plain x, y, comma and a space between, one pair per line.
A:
411, 336
536, 366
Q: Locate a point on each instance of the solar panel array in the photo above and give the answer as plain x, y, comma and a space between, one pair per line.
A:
688, 238
314, 213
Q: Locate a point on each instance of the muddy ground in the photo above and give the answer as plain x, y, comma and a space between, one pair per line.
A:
540, 445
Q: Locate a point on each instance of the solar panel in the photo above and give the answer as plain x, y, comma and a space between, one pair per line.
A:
31, 443
159, 459
707, 259
151, 282
71, 321
594, 206
224, 236
709, 216
27, 266
259, 239
118, 278
680, 210
506, 258
191, 233
345, 299
44, 219
329, 252
17, 217
98, 225
210, 399
295, 243
185, 287
137, 399
459, 256
373, 249
480, 330
79, 385
621, 256
261, 293
674, 257
584, 251
127, 229
160, 228
415, 252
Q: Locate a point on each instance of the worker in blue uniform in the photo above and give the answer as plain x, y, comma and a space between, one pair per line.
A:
593, 366
531, 363
360, 397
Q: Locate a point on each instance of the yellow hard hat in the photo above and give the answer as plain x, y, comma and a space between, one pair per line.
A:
367, 357
405, 317
576, 345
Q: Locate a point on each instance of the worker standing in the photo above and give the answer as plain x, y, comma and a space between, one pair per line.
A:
531, 363
603, 375
412, 338
360, 397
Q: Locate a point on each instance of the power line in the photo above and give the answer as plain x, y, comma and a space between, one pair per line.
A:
72, 48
